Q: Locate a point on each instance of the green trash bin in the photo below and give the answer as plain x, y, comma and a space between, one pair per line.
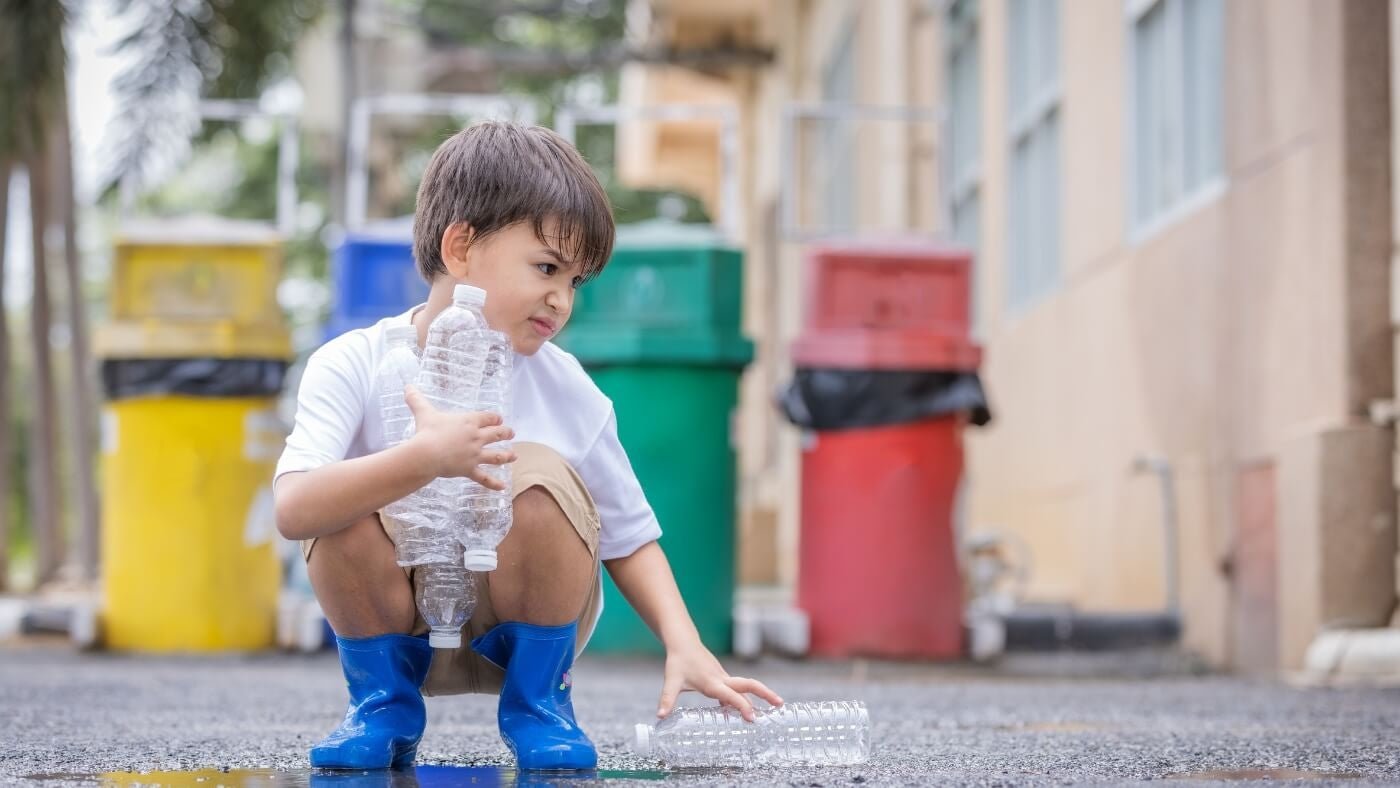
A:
659, 333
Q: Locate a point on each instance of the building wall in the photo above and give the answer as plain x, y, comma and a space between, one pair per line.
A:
1242, 341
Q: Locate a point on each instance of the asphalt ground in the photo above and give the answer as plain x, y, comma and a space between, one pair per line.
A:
68, 717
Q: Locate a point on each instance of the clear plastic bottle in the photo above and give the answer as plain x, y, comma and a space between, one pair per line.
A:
397, 369
446, 597
449, 377
455, 354
489, 511
832, 733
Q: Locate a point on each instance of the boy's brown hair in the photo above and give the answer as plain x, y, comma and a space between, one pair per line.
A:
494, 174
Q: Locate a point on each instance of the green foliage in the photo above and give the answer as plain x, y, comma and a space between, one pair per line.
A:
187, 50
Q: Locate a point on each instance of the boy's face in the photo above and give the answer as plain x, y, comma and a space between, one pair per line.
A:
529, 289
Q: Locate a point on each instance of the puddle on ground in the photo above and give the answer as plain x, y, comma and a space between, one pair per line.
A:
1229, 775
415, 777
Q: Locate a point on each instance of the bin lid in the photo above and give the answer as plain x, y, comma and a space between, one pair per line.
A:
155, 338
594, 346
669, 234
197, 230
671, 294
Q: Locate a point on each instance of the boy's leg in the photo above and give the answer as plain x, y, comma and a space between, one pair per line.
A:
362, 589
546, 579
368, 600
544, 569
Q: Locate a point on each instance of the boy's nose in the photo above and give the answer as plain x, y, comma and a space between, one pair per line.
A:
562, 302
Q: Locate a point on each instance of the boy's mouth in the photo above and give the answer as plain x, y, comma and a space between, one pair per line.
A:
542, 327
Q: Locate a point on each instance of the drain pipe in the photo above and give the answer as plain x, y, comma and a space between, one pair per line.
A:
1040, 627
1167, 479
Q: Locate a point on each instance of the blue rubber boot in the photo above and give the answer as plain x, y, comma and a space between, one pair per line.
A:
386, 715
536, 711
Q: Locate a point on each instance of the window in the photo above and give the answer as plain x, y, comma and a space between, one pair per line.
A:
1033, 260
838, 142
1177, 116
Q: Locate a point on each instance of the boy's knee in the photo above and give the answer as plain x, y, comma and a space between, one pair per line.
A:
363, 537
535, 508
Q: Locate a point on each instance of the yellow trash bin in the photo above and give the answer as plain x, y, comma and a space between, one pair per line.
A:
188, 538
192, 362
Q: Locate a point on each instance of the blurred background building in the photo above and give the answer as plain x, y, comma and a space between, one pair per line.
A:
1181, 212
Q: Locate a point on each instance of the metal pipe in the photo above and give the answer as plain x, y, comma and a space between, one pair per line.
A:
568, 119
365, 108
1162, 467
839, 112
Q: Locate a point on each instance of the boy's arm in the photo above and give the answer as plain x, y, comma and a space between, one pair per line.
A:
328, 499
646, 581
325, 500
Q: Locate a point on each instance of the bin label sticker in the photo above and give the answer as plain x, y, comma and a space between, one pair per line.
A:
263, 435
645, 291
259, 526
108, 424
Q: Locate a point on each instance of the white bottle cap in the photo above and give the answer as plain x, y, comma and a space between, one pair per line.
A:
445, 640
480, 560
641, 739
466, 294
401, 334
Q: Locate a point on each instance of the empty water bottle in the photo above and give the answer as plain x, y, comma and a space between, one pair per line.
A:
445, 597
489, 511
455, 354
834, 733
397, 369
449, 377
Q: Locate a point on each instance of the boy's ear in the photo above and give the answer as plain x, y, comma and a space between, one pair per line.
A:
456, 247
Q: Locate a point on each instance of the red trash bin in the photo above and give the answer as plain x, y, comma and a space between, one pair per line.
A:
878, 572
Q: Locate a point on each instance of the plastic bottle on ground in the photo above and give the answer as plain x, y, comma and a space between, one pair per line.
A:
831, 733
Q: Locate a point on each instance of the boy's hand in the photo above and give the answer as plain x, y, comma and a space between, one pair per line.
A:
454, 444
694, 668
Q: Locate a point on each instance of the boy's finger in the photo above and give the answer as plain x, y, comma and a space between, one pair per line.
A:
497, 434
498, 457
486, 418
669, 693
725, 695
487, 480
754, 687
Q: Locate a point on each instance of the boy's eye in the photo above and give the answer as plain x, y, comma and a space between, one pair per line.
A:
577, 283
547, 269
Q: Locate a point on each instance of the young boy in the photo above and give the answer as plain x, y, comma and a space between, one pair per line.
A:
516, 211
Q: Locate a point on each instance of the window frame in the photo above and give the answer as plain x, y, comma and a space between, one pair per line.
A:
1186, 201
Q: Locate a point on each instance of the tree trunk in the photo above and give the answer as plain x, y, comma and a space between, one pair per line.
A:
48, 536
82, 406
5, 378
349, 89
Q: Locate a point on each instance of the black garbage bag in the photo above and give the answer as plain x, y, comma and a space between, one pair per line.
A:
196, 377
834, 399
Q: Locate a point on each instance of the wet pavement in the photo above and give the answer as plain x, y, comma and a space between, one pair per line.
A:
68, 718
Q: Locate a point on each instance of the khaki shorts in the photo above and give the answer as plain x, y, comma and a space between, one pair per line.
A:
461, 670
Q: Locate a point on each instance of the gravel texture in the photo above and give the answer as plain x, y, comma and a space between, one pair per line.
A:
1051, 720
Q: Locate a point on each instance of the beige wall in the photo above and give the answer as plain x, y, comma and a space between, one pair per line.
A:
1249, 333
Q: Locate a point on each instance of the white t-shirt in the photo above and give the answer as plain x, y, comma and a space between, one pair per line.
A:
553, 402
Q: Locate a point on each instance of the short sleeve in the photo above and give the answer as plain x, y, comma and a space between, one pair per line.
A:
628, 521
330, 409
